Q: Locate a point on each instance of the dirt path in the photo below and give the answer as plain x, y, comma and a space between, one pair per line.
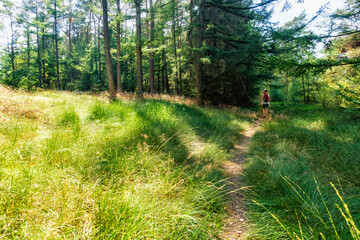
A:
236, 224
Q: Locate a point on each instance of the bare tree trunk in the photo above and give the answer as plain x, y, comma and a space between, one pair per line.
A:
28, 46
147, 38
304, 91
87, 33
163, 73
166, 78
190, 34
158, 79
151, 54
118, 63
175, 46
46, 84
12, 53
70, 44
138, 50
95, 44
179, 61
38, 46
198, 65
191, 23
99, 53
56, 47
308, 88
109, 69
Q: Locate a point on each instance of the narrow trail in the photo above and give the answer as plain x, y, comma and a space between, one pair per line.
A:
236, 224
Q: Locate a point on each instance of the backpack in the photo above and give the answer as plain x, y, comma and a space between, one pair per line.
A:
266, 97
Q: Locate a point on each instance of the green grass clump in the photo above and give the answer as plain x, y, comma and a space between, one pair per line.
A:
69, 118
304, 171
81, 168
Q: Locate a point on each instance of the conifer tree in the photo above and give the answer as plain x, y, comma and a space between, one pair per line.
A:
109, 67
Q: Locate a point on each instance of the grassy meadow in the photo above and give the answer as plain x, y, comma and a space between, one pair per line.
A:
77, 167
304, 175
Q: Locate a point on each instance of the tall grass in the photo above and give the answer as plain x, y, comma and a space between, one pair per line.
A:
81, 168
304, 172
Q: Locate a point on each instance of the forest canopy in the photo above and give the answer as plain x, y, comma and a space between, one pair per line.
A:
218, 51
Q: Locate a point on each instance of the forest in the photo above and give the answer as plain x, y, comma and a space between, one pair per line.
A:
140, 119
218, 52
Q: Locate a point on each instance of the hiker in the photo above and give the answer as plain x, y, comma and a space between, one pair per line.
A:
265, 102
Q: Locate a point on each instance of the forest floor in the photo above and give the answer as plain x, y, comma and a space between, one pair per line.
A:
237, 224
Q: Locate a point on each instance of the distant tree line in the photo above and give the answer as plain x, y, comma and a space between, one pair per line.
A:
210, 50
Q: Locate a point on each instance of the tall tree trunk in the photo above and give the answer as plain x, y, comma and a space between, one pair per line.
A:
175, 46
138, 50
151, 54
88, 29
308, 88
28, 46
163, 73
38, 46
109, 68
190, 35
198, 65
158, 79
56, 47
179, 61
95, 44
147, 38
99, 53
12, 53
191, 13
46, 84
304, 91
166, 78
70, 44
118, 63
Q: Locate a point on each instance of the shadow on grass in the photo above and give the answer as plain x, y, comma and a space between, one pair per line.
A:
171, 136
163, 136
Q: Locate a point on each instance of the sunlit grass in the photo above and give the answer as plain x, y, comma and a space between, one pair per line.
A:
81, 168
304, 171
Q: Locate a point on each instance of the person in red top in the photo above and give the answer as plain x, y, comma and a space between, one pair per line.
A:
265, 102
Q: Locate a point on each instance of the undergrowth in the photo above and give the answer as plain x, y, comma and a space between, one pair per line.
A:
78, 167
304, 175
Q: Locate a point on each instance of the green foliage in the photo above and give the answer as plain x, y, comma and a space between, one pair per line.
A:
232, 48
304, 170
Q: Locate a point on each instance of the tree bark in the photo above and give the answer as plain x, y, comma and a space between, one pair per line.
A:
191, 13
56, 47
38, 45
175, 47
304, 91
28, 46
138, 50
308, 88
198, 65
158, 79
179, 60
12, 53
118, 63
46, 83
109, 69
166, 78
99, 53
70, 43
151, 54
